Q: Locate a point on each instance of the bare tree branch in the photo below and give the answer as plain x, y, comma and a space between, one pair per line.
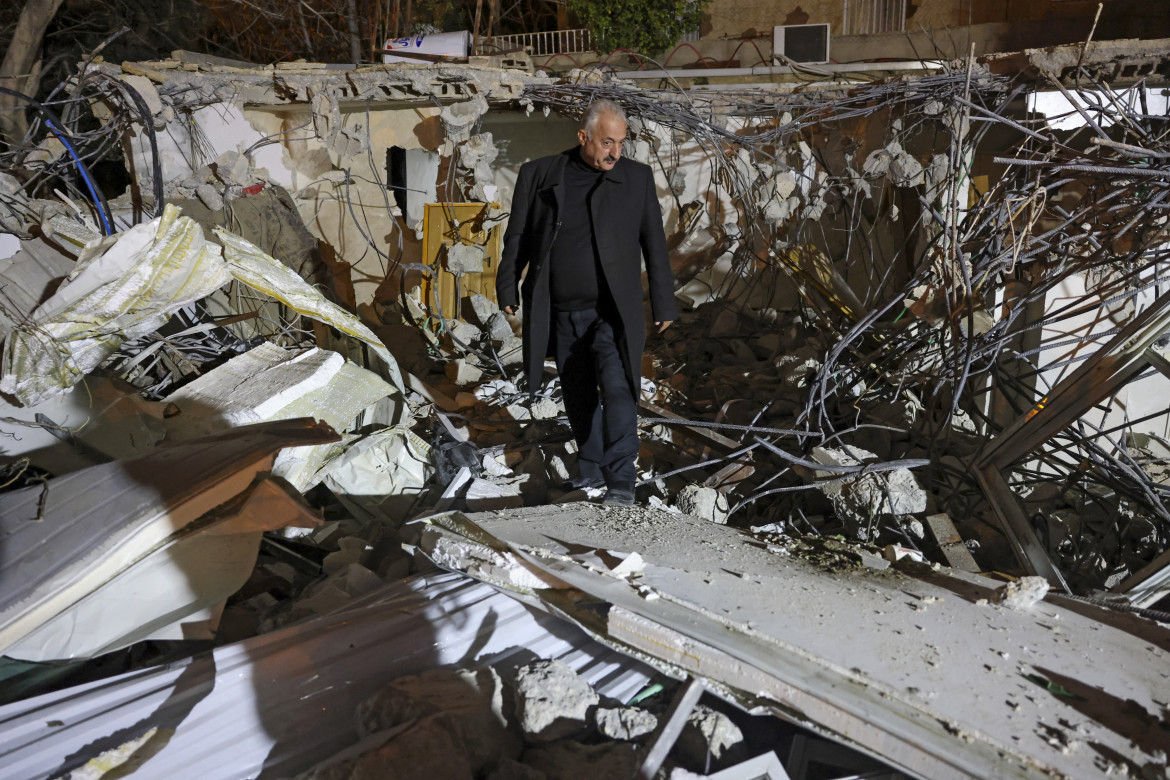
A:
19, 70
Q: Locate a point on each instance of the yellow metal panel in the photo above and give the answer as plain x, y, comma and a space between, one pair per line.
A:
443, 225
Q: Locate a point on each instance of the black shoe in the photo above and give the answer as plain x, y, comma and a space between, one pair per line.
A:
580, 483
616, 496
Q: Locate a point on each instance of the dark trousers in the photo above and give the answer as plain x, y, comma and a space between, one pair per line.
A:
602, 410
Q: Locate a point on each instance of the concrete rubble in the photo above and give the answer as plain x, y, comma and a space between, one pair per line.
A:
275, 500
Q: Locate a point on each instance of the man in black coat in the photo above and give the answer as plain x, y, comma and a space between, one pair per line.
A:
582, 222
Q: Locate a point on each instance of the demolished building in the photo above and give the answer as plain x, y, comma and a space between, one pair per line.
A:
918, 387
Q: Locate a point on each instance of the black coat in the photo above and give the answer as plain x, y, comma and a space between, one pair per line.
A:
627, 225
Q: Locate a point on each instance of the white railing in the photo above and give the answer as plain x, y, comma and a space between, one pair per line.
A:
540, 43
866, 17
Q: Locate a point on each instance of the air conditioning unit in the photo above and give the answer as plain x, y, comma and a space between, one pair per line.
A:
801, 42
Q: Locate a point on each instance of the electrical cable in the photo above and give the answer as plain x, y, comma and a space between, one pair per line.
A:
148, 125
53, 124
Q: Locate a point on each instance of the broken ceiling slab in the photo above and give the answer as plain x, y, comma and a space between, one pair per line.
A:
1121, 60
274, 383
66, 539
277, 704
911, 664
298, 82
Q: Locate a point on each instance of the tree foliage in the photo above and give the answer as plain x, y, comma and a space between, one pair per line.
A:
644, 26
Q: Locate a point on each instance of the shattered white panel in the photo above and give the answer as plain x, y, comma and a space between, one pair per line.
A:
124, 286
254, 386
1062, 114
384, 472
197, 137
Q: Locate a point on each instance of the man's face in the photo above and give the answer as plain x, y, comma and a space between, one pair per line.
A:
603, 149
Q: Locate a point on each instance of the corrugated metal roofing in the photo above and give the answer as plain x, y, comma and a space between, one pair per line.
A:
276, 704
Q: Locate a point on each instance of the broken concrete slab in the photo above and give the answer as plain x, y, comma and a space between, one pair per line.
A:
951, 693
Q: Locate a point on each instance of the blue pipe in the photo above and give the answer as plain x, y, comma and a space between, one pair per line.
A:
106, 219
52, 123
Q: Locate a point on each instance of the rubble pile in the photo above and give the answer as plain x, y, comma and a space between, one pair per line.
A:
540, 721
237, 407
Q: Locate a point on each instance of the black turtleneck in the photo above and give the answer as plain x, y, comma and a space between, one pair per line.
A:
573, 263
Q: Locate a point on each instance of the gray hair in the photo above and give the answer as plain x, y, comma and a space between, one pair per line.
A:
594, 112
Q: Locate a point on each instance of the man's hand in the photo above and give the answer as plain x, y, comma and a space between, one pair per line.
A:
663, 325
510, 310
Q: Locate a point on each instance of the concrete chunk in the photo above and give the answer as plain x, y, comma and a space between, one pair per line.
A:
552, 701
709, 736
482, 308
858, 499
498, 327
465, 259
1024, 593
707, 503
463, 373
544, 409
624, 723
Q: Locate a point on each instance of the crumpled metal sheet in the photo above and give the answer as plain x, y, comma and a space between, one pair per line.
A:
124, 286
